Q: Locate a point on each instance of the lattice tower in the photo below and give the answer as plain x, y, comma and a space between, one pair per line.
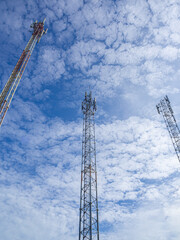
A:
13, 81
164, 108
88, 220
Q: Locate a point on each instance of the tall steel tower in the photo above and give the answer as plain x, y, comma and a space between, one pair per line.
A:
164, 108
13, 81
88, 220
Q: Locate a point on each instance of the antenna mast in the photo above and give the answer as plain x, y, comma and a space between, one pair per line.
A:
88, 220
13, 81
164, 108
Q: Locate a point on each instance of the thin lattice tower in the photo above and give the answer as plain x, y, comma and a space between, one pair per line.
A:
13, 81
164, 108
88, 220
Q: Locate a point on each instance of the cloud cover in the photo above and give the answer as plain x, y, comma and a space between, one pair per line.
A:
127, 53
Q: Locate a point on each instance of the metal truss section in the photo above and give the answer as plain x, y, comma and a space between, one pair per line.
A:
164, 108
13, 81
88, 220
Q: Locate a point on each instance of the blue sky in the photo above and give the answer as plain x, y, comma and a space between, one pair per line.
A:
127, 53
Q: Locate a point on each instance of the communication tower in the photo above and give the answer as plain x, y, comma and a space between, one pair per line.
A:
88, 220
13, 81
164, 108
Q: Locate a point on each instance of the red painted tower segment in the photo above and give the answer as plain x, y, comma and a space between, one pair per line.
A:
13, 81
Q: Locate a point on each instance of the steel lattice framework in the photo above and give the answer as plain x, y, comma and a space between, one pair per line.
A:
88, 220
164, 108
13, 81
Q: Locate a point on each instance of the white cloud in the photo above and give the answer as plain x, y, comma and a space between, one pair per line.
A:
169, 53
138, 13
175, 38
73, 6
59, 26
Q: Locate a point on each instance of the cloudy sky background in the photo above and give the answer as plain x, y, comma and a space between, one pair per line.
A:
127, 53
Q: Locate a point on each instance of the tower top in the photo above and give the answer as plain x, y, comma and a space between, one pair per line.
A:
38, 29
89, 104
